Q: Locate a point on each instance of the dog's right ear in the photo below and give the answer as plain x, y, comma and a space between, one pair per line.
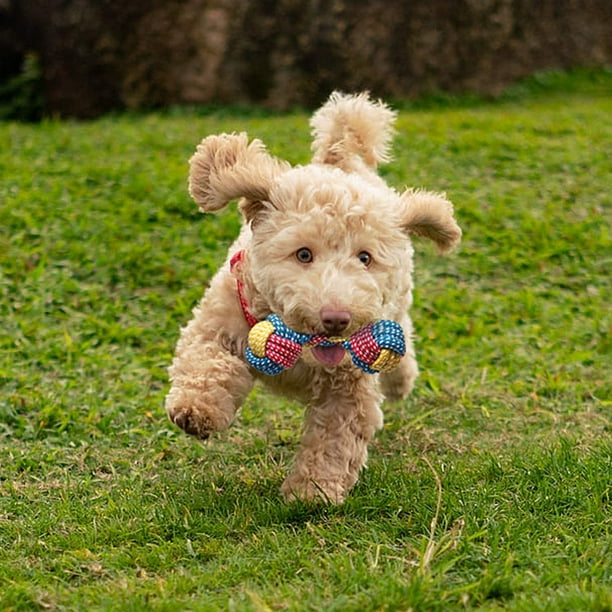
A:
227, 167
351, 127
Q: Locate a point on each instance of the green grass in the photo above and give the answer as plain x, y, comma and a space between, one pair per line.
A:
488, 489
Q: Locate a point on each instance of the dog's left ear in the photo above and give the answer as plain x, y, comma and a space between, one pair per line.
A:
430, 215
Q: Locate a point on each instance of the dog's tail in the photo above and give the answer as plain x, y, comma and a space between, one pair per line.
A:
348, 128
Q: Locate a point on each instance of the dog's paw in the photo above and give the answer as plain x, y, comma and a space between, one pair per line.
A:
193, 423
196, 414
397, 384
398, 389
307, 489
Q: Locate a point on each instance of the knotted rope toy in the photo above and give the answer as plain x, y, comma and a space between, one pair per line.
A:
274, 347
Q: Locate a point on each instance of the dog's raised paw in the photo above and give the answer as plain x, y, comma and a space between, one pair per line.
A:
193, 423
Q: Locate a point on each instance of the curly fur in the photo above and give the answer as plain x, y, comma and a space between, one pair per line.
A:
338, 207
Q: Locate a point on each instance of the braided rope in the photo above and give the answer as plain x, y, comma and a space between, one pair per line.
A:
274, 347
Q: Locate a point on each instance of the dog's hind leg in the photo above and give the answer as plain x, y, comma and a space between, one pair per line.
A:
397, 384
334, 446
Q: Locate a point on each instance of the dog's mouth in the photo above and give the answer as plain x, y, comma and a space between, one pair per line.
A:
328, 355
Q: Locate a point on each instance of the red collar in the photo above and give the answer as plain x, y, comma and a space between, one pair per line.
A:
236, 259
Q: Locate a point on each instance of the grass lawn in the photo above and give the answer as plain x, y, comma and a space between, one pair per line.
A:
488, 489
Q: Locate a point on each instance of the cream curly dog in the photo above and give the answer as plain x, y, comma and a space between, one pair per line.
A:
326, 247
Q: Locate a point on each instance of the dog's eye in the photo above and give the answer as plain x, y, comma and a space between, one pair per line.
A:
365, 258
304, 255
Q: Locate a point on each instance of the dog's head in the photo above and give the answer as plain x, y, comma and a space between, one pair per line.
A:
330, 248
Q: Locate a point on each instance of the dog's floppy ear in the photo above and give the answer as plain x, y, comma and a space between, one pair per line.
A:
430, 215
226, 167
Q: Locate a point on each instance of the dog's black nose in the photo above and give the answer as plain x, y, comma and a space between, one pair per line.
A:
335, 321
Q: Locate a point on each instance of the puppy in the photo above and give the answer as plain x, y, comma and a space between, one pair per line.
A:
327, 247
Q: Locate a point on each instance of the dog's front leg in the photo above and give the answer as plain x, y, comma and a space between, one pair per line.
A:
209, 381
334, 447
